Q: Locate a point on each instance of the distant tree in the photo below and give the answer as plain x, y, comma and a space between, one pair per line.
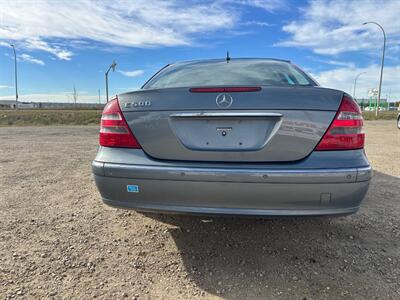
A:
75, 95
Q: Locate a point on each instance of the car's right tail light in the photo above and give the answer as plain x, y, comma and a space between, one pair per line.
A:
114, 131
345, 132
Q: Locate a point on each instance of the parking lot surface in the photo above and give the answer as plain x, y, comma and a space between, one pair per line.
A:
57, 239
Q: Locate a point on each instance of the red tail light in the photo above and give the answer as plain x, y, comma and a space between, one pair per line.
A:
234, 89
114, 131
345, 132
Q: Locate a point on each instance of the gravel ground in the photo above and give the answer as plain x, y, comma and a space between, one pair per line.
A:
57, 240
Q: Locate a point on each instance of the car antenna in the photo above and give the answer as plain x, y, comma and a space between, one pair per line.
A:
228, 58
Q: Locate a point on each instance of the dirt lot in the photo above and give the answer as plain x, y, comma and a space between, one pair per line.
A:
57, 240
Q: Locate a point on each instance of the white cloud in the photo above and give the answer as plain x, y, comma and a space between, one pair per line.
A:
37, 44
5, 86
30, 59
335, 26
343, 79
53, 97
59, 26
140, 23
269, 5
134, 73
340, 63
257, 23
128, 89
333, 62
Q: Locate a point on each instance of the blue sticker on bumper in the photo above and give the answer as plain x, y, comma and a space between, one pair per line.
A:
132, 188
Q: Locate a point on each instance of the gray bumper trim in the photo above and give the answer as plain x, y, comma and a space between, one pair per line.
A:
237, 198
341, 175
175, 209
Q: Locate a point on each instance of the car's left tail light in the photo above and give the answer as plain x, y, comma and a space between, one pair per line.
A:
114, 131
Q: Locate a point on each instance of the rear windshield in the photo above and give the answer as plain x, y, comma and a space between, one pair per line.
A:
246, 72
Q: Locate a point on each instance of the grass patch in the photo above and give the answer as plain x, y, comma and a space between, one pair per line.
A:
36, 117
41, 117
383, 115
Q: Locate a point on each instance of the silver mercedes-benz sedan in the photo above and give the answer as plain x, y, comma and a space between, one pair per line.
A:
237, 137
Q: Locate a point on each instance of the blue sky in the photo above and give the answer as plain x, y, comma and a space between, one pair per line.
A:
61, 44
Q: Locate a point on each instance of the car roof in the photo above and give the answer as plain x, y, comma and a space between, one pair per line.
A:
216, 60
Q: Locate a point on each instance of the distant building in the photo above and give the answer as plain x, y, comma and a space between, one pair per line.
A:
7, 103
49, 105
67, 105
368, 100
27, 105
370, 104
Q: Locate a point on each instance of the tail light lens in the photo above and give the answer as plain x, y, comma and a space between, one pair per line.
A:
114, 131
345, 132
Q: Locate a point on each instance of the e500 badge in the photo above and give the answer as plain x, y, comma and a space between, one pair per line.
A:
137, 104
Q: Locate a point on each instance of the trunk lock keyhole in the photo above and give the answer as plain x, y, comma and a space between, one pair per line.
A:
224, 130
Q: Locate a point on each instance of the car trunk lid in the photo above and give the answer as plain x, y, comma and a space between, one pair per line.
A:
271, 124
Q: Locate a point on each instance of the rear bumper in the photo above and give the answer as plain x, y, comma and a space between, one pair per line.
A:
233, 190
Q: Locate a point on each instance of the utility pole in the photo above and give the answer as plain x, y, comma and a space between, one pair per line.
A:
75, 96
16, 77
112, 66
99, 97
355, 84
382, 63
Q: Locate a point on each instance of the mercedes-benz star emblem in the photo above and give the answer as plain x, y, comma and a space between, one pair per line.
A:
224, 100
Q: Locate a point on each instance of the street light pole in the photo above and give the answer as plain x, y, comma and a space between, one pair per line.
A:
382, 63
107, 85
16, 77
355, 84
112, 66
